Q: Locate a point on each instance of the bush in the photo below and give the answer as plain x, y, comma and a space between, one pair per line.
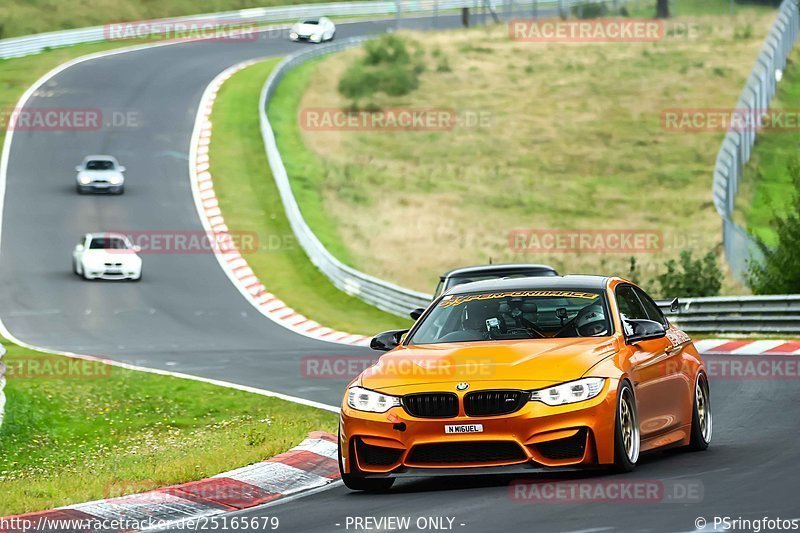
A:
692, 277
387, 67
780, 271
387, 49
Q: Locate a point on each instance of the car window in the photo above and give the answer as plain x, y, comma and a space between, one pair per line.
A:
630, 307
653, 312
514, 315
108, 243
99, 165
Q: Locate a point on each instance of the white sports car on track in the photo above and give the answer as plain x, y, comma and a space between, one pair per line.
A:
315, 30
106, 256
100, 174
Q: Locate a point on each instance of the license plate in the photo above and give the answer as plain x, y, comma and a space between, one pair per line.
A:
464, 428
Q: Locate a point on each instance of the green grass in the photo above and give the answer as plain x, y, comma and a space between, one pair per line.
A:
572, 130
102, 431
249, 201
767, 190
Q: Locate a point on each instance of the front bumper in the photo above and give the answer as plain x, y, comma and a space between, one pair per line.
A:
106, 275
100, 188
537, 437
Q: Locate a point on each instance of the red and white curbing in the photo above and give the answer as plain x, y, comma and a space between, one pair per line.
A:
311, 465
231, 260
747, 347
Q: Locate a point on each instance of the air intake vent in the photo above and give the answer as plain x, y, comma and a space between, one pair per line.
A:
494, 402
431, 405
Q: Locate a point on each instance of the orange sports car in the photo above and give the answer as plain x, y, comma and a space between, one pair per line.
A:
525, 375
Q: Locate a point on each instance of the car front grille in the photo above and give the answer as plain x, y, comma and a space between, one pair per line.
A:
570, 448
466, 453
494, 402
369, 455
431, 405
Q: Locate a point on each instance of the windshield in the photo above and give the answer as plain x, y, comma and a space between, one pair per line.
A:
521, 314
311, 22
100, 165
107, 243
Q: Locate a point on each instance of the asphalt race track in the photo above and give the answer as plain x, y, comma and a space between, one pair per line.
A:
186, 316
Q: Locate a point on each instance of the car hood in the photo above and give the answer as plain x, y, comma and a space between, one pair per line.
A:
125, 257
525, 364
100, 174
306, 29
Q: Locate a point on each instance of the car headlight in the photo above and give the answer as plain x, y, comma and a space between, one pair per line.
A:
370, 401
85, 180
115, 180
574, 391
293, 35
316, 37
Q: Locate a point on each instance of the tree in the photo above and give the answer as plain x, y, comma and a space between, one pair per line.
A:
780, 271
662, 9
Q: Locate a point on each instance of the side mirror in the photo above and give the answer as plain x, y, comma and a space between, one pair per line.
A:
78, 247
416, 313
643, 330
121, 168
78, 168
675, 306
388, 340
137, 248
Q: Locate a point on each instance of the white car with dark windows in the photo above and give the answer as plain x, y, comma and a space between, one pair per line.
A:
109, 256
100, 174
315, 30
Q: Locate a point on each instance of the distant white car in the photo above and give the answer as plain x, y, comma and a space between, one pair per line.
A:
106, 256
100, 173
315, 30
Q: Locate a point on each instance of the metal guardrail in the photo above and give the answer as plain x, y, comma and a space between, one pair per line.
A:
743, 314
33, 44
736, 149
2, 384
382, 294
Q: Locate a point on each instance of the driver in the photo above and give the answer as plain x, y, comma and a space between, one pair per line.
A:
592, 322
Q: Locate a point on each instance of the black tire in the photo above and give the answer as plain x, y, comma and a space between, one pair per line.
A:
79, 189
622, 461
363, 483
702, 430
75, 267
